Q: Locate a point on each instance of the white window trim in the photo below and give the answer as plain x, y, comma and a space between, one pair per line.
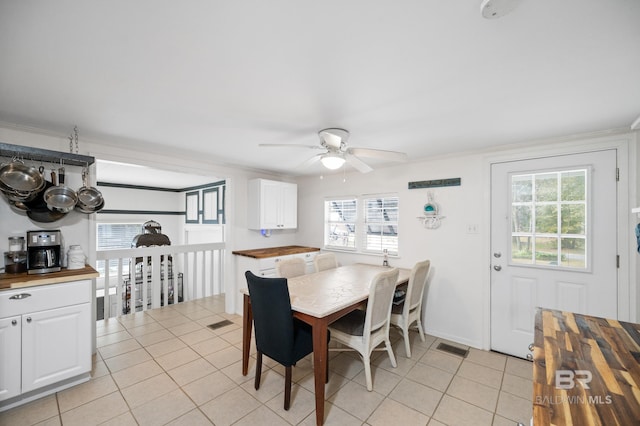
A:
360, 233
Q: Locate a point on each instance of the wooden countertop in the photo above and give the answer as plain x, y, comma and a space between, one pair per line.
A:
9, 281
570, 349
275, 251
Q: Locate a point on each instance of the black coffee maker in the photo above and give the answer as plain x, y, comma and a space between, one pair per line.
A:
43, 251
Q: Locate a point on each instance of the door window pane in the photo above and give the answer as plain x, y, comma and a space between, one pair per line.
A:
573, 253
521, 219
546, 251
521, 188
522, 250
573, 219
549, 219
546, 187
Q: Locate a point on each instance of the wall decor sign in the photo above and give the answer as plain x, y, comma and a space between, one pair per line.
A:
436, 183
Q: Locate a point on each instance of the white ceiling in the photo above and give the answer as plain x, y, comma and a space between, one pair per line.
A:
216, 78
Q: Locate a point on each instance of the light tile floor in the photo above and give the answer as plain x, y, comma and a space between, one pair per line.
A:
166, 367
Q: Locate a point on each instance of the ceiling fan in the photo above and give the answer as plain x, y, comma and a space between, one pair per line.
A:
334, 142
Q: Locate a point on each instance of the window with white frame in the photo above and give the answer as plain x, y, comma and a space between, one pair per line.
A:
368, 224
381, 225
340, 223
113, 236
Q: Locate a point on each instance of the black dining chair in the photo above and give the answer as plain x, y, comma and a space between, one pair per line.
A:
278, 334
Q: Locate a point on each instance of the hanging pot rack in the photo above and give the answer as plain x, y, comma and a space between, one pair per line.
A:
44, 155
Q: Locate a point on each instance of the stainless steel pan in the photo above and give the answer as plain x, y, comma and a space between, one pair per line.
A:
60, 198
90, 200
21, 178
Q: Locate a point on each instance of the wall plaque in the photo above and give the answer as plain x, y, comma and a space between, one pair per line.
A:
436, 183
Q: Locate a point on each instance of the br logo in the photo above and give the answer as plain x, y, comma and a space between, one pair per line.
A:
567, 379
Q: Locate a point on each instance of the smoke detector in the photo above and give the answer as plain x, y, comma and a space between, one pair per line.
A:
492, 9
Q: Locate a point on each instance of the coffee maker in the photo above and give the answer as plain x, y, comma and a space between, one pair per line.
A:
43, 251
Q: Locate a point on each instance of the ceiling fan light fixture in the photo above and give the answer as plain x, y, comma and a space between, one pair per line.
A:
332, 161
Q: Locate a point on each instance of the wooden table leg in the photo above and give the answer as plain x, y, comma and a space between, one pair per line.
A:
247, 321
320, 331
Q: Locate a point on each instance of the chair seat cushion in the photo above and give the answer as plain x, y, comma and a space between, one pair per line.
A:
352, 323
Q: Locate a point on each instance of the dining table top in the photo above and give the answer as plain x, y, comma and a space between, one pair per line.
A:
323, 293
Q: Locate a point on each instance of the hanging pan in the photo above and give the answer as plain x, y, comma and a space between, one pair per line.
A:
60, 198
90, 200
19, 177
38, 210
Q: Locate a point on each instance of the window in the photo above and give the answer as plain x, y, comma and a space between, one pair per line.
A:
340, 224
372, 230
381, 225
113, 236
549, 219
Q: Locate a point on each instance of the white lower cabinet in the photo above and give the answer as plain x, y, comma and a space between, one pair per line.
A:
45, 342
10, 338
266, 267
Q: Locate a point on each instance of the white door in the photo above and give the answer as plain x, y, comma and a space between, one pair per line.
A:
553, 242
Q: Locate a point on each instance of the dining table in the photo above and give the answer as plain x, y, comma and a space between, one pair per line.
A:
319, 299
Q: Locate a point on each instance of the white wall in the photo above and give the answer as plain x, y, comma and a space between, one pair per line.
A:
458, 300
454, 307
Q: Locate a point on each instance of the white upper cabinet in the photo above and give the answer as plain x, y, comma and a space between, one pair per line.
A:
272, 204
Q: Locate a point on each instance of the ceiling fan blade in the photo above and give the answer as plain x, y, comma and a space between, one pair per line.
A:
311, 161
357, 163
378, 153
289, 145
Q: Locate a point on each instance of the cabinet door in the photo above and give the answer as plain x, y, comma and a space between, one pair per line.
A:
270, 202
10, 357
56, 345
289, 205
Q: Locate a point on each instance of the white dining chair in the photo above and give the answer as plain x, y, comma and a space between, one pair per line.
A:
290, 268
362, 330
410, 310
325, 261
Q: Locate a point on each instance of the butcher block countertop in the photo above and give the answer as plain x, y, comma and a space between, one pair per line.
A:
275, 251
23, 280
586, 370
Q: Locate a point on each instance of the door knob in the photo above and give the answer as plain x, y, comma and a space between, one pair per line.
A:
497, 267
497, 255
530, 357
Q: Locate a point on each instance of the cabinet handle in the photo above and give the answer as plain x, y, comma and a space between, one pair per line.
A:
14, 322
531, 347
20, 296
28, 319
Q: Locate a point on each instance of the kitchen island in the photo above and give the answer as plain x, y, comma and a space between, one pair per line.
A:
586, 370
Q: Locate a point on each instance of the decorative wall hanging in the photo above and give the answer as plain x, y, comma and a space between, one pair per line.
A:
431, 213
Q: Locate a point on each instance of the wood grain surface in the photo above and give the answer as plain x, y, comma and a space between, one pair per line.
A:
8, 281
275, 251
586, 370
